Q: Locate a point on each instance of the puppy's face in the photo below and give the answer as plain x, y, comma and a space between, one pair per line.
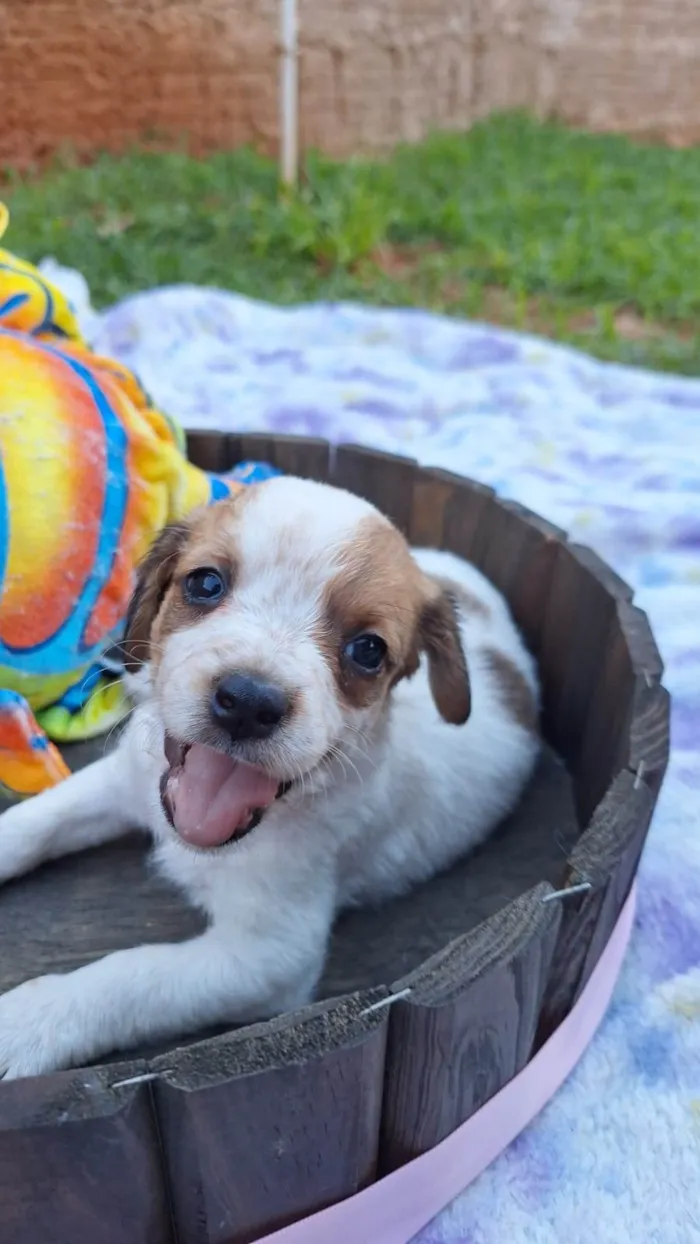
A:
276, 623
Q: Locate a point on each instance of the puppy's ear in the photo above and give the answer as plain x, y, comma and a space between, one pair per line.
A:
439, 637
153, 578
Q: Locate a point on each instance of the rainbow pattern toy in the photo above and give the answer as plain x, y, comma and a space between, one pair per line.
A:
90, 472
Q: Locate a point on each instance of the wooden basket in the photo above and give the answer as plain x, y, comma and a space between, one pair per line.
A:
226, 1139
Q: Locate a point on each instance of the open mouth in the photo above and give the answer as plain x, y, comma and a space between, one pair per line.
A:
211, 799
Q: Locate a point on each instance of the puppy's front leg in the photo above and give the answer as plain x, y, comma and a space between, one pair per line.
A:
89, 808
151, 992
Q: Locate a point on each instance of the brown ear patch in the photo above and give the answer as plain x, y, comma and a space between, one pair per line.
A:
208, 537
448, 675
153, 579
515, 694
376, 588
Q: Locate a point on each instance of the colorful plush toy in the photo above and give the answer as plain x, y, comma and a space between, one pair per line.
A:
90, 472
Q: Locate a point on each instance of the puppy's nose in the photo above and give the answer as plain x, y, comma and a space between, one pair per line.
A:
248, 708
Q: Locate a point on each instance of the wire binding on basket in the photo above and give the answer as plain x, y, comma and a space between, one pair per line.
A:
142, 1079
580, 888
639, 778
394, 997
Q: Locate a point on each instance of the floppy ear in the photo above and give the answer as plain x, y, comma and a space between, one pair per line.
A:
448, 675
153, 578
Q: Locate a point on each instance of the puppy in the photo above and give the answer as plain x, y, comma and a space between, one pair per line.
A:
324, 718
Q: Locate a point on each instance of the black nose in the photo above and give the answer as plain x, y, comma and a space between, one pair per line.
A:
248, 708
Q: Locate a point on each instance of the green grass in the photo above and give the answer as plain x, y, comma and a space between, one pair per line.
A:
589, 239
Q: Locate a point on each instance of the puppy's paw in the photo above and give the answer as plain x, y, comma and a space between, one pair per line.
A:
39, 1028
23, 837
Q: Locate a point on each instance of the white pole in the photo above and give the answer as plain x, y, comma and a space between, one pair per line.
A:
289, 93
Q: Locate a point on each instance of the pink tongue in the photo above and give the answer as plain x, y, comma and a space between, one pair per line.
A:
213, 796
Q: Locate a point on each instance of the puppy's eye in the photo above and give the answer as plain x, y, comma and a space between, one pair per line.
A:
367, 652
204, 586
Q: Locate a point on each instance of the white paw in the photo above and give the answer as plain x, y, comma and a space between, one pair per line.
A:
40, 1028
21, 839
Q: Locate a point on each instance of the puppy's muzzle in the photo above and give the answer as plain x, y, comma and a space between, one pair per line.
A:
247, 707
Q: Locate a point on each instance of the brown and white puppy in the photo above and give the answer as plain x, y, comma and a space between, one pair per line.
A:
324, 718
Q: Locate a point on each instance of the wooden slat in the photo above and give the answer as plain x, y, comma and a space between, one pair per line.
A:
647, 742
627, 723
251, 447
295, 455
607, 857
603, 573
602, 754
518, 556
650, 735
383, 479
264, 1126
433, 489
578, 618
468, 1027
80, 1161
301, 455
210, 451
466, 520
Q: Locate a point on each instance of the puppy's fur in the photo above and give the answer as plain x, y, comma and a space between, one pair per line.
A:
384, 777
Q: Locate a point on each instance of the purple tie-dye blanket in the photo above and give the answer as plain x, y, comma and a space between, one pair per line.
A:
612, 455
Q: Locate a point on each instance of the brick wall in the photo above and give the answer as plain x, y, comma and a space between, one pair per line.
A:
103, 73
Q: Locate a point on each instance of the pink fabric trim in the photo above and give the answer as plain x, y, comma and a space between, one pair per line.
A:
395, 1208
